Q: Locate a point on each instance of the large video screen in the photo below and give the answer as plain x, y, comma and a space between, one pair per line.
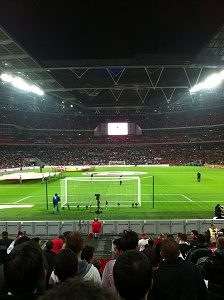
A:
117, 128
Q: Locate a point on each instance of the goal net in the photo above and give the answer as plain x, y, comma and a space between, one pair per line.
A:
114, 191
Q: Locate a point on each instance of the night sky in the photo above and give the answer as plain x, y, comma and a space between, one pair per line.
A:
57, 30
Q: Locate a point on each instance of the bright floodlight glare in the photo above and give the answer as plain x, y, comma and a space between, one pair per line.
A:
6, 77
212, 81
35, 89
209, 83
21, 84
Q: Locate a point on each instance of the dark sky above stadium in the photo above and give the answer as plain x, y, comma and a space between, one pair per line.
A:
57, 30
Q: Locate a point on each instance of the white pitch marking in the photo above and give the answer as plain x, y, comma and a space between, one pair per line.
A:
186, 197
15, 206
21, 199
161, 194
165, 201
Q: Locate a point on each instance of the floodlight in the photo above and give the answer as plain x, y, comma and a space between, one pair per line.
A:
6, 77
209, 83
35, 89
21, 84
212, 81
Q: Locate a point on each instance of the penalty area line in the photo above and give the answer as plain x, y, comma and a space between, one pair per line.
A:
22, 199
186, 197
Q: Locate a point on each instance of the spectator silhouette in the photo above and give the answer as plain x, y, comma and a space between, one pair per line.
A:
149, 251
212, 269
175, 278
129, 241
194, 238
4, 244
107, 276
199, 250
66, 264
23, 270
50, 257
132, 275
78, 289
184, 246
88, 253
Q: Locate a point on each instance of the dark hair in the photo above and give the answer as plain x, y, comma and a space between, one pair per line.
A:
74, 241
5, 234
21, 240
150, 242
49, 245
117, 243
66, 264
129, 240
23, 268
170, 236
169, 249
36, 240
220, 241
132, 274
183, 237
195, 232
87, 253
201, 239
73, 289
66, 233
20, 233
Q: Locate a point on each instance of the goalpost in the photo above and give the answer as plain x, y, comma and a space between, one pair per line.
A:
114, 191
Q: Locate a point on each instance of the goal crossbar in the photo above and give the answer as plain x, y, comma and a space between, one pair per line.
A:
102, 178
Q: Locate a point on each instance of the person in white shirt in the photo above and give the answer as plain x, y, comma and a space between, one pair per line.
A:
142, 242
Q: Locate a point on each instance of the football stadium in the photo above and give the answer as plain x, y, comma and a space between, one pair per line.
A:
112, 141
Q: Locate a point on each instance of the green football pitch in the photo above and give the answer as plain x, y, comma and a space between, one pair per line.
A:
177, 195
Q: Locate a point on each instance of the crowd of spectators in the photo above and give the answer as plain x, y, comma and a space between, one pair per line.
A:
164, 267
158, 136
203, 117
38, 120
170, 138
173, 154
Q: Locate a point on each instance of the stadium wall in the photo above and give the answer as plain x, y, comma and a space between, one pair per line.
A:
55, 228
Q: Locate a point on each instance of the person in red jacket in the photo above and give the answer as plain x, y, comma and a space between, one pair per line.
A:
58, 243
96, 228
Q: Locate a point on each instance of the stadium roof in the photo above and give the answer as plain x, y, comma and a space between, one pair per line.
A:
139, 82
